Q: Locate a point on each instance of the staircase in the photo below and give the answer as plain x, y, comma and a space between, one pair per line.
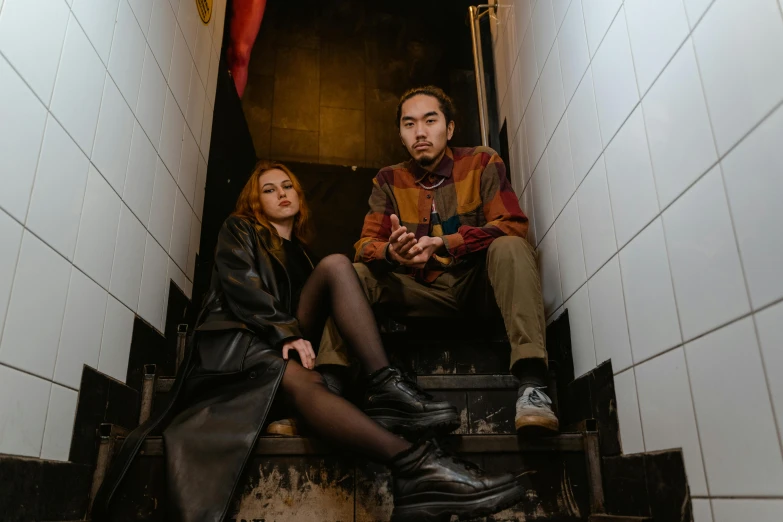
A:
578, 475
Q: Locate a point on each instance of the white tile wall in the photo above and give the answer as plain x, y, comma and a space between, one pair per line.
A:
112, 93
674, 123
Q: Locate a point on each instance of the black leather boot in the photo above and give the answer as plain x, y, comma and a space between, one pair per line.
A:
400, 406
431, 485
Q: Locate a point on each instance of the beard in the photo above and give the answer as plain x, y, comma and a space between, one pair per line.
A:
426, 160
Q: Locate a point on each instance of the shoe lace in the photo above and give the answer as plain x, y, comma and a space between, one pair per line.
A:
468, 465
535, 397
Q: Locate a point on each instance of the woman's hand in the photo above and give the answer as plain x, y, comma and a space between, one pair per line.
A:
305, 351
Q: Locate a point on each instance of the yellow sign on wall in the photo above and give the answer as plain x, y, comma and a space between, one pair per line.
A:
204, 10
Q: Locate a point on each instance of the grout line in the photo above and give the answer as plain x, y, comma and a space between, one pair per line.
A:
737, 497
46, 419
31, 374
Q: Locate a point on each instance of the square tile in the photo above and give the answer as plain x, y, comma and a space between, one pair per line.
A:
569, 248
128, 259
161, 34
649, 298
180, 232
162, 210
11, 239
203, 52
58, 192
23, 403
666, 409
294, 145
695, 9
527, 69
181, 68
656, 28
59, 423
702, 511
201, 183
116, 340
127, 54
534, 129
140, 177
188, 166
552, 97
523, 154
610, 326
214, 66
583, 130
737, 464
582, 346
630, 177
678, 127
195, 111
628, 412
188, 18
142, 9
180, 279
741, 76
757, 510
542, 198
561, 167
560, 8
754, 182
38, 21
98, 229
152, 98
206, 130
523, 12
342, 75
219, 14
153, 284
80, 338
595, 216
769, 324
544, 31
193, 247
550, 273
526, 204
97, 19
113, 136
35, 311
23, 119
574, 54
704, 260
614, 79
598, 17
341, 138
171, 135
77, 91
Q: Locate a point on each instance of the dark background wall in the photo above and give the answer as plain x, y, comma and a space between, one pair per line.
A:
326, 75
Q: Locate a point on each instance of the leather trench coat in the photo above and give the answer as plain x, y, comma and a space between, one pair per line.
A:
227, 384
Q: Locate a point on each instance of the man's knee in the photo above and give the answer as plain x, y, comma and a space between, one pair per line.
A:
509, 247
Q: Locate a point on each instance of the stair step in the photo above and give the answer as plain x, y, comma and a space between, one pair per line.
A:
473, 444
617, 518
426, 382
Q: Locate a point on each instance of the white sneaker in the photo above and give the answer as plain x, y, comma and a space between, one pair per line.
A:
534, 410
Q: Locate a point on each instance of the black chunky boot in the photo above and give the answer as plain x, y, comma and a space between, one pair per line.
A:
431, 485
401, 407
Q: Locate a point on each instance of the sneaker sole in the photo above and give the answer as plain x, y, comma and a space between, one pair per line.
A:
285, 431
415, 423
487, 504
532, 422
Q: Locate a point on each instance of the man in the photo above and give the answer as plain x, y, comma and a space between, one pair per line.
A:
438, 225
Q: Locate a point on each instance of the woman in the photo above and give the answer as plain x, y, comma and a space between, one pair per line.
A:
267, 302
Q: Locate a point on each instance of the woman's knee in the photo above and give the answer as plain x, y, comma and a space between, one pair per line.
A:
298, 379
336, 262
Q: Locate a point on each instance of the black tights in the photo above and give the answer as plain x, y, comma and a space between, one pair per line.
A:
334, 289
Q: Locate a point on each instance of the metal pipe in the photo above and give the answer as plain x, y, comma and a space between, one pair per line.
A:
478, 68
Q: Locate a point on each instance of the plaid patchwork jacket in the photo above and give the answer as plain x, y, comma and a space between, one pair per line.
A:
471, 194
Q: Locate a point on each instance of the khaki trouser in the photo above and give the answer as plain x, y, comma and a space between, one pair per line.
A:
510, 268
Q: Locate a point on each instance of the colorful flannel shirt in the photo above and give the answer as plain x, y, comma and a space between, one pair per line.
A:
474, 199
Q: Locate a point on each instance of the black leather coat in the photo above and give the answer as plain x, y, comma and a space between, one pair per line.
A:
227, 384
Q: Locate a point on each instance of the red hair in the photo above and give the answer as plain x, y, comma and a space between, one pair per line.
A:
249, 202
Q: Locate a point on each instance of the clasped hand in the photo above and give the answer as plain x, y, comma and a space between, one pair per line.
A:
405, 249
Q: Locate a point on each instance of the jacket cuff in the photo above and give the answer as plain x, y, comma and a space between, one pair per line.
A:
454, 244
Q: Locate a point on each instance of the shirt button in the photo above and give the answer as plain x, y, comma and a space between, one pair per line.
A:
253, 375
428, 196
425, 220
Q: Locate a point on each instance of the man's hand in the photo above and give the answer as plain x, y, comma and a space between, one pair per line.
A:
400, 241
305, 351
420, 253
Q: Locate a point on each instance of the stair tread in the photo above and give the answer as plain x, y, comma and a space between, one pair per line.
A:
275, 445
427, 382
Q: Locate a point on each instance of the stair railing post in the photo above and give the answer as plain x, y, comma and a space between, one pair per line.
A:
107, 438
147, 392
182, 343
593, 462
